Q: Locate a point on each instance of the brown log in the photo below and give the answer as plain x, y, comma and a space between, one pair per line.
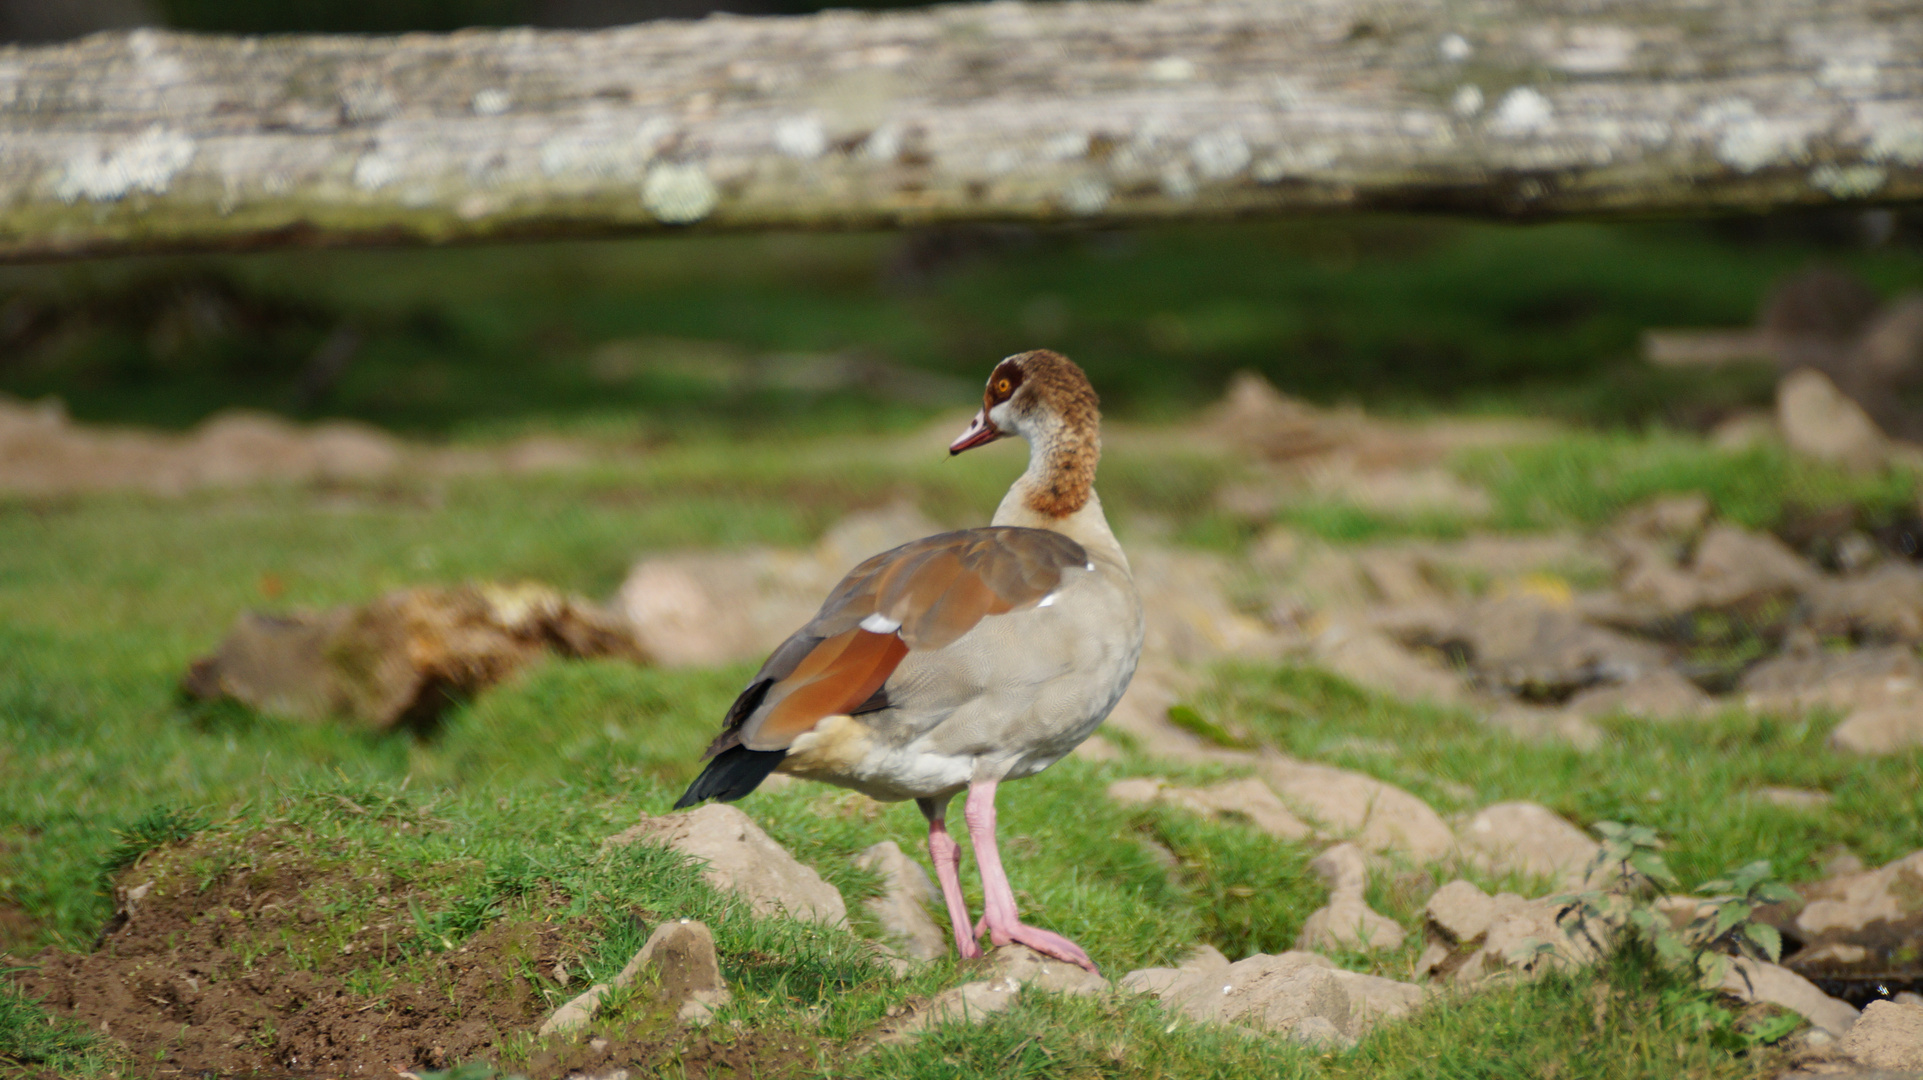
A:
1084, 111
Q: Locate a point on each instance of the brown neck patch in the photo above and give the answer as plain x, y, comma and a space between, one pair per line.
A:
1052, 384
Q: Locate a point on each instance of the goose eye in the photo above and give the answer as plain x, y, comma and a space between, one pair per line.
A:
1003, 386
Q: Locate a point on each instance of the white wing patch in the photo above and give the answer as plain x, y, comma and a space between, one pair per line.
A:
879, 624
1047, 601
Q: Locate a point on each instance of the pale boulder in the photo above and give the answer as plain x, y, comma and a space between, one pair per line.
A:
1299, 994
1805, 678
1852, 901
1734, 565
1658, 694
1010, 969
1247, 798
1530, 839
1756, 980
1883, 729
1889, 1035
742, 859
681, 956
903, 909
1819, 420
1349, 805
1474, 937
1372, 659
1347, 921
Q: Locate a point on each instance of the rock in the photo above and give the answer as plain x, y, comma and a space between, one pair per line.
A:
1203, 957
1650, 582
1883, 604
1735, 566
1399, 575
1371, 659
1461, 911
1204, 961
1294, 992
713, 608
1254, 415
1246, 798
1799, 680
1272, 993
1347, 921
743, 860
708, 608
1300, 994
1474, 936
1526, 645
1756, 980
1819, 420
1189, 617
903, 907
866, 533
1545, 725
404, 657
1851, 902
1859, 925
1344, 867
1530, 839
1374, 1000
1731, 567
1010, 967
1887, 1036
1666, 518
681, 956
1349, 805
1795, 798
1882, 729
1660, 694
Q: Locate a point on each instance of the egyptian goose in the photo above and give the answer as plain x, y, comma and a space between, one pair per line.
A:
963, 659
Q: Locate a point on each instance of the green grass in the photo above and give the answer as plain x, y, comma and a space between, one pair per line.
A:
1587, 479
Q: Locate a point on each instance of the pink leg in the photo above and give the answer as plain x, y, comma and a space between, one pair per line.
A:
998, 899
947, 857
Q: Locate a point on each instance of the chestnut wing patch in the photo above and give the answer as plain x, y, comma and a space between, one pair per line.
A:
917, 597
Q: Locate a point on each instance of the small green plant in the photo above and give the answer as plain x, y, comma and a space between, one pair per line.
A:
1724, 925
1629, 873
1723, 1028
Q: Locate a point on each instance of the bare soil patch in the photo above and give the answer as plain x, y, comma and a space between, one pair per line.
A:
240, 970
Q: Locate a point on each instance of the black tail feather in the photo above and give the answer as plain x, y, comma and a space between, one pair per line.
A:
733, 773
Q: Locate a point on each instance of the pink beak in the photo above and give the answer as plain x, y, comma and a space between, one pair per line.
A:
981, 431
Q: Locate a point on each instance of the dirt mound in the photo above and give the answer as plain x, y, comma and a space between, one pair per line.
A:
278, 954
237, 957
